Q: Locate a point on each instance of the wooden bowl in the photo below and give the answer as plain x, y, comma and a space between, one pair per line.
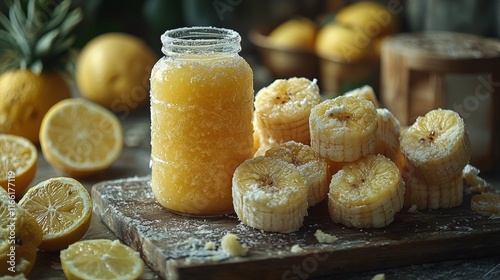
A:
335, 75
281, 61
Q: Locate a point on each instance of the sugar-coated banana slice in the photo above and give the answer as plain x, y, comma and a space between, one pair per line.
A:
437, 146
366, 193
313, 167
282, 110
486, 204
343, 129
365, 92
270, 194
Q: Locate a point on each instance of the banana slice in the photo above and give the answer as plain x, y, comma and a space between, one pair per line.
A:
431, 195
313, 167
343, 129
486, 204
366, 193
270, 194
282, 110
365, 92
437, 146
387, 137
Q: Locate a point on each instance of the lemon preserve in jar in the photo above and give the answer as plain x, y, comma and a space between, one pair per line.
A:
201, 119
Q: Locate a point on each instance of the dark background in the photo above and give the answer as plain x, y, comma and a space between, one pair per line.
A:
148, 19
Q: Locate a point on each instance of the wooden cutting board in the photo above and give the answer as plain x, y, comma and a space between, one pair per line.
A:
174, 245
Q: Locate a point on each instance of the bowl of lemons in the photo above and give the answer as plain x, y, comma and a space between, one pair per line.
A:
287, 49
341, 49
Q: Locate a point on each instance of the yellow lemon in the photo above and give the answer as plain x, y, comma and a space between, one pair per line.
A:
25, 97
371, 18
101, 259
18, 163
20, 236
80, 137
113, 70
299, 32
343, 43
63, 209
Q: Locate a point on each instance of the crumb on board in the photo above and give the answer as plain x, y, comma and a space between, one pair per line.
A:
230, 244
296, 249
379, 276
210, 245
325, 237
413, 209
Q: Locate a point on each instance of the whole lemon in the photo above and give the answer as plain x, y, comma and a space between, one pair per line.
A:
343, 43
298, 32
113, 70
25, 97
371, 18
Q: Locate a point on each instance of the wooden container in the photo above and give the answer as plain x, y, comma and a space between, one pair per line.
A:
284, 62
335, 74
424, 71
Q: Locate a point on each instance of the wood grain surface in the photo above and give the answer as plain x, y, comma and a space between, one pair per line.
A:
174, 245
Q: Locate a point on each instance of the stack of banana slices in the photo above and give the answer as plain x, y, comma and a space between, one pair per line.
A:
273, 192
436, 148
349, 151
366, 189
282, 112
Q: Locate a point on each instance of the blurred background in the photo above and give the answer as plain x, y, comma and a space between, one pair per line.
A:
148, 19
325, 39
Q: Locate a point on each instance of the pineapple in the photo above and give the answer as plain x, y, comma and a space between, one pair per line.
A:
35, 55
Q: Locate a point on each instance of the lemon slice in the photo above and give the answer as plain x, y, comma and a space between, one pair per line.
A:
18, 163
101, 259
20, 236
63, 208
80, 137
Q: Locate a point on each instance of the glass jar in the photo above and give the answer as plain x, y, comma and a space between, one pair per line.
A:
201, 119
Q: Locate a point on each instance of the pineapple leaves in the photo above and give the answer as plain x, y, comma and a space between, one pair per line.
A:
71, 22
4, 21
37, 67
7, 52
58, 15
18, 18
37, 34
31, 15
44, 44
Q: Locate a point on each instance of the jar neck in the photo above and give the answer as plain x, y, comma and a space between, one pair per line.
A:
200, 41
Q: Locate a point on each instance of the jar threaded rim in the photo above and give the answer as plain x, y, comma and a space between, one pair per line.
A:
200, 40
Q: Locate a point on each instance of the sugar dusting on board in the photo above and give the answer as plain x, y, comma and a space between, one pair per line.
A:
172, 243
187, 237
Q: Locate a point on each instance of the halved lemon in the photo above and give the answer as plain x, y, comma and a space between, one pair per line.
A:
63, 208
18, 163
81, 137
20, 236
101, 259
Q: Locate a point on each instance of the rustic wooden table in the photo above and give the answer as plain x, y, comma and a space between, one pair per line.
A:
134, 161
